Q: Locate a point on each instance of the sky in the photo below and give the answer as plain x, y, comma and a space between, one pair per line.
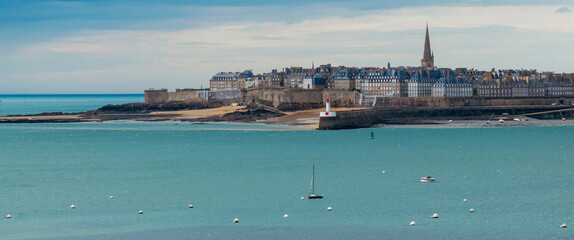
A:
127, 46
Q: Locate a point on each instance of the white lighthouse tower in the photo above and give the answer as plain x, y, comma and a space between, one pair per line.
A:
327, 112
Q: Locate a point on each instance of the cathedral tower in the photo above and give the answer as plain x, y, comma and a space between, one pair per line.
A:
428, 56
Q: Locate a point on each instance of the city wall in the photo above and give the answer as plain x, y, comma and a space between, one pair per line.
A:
367, 118
468, 101
181, 96
299, 96
157, 96
347, 98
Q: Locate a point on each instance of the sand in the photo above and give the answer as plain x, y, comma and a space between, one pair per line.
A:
203, 112
307, 118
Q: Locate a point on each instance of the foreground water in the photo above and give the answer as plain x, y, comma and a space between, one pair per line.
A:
66, 103
518, 180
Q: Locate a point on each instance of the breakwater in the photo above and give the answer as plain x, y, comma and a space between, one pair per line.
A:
370, 117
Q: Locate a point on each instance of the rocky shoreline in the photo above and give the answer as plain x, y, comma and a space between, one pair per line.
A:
256, 113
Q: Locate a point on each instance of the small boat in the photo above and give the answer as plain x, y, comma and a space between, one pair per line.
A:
372, 135
312, 194
427, 179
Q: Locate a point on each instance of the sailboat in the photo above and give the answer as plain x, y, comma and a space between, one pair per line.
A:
312, 194
372, 135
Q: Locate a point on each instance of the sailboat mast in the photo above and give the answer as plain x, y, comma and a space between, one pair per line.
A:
313, 181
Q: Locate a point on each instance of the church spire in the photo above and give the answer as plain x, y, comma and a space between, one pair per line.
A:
428, 56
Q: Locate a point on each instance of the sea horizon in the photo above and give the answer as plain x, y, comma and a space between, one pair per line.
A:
30, 104
67, 94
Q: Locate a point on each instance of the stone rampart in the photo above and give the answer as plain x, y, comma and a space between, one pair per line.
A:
300, 96
367, 118
181, 96
467, 101
340, 98
155, 96
296, 96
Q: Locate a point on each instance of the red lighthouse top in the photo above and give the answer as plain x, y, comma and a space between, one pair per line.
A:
327, 99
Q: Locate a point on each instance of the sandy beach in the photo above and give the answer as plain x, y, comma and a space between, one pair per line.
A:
202, 112
308, 119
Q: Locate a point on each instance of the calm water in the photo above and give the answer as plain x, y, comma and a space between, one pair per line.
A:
518, 180
34, 104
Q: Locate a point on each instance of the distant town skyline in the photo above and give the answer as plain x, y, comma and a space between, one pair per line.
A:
128, 46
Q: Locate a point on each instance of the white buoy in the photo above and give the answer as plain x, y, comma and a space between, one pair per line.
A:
449, 121
140, 212
412, 223
190, 206
111, 197
8, 216
285, 216
383, 171
236, 220
435, 215
464, 200
72, 206
329, 209
302, 198
563, 225
471, 210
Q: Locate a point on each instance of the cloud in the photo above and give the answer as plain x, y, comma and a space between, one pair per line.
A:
461, 36
563, 10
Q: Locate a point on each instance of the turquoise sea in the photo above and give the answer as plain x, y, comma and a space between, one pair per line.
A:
517, 179
21, 104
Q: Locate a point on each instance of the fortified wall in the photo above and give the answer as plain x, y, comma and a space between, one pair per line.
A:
467, 101
299, 96
367, 118
340, 98
157, 96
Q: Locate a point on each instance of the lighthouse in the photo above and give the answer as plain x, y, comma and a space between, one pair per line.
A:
327, 112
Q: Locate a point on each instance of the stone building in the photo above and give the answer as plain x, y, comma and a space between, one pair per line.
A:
275, 79
557, 88
318, 81
385, 83
306, 82
457, 87
421, 82
536, 88
493, 89
224, 81
294, 76
519, 88
343, 78
245, 80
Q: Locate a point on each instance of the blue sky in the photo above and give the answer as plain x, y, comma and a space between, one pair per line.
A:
114, 46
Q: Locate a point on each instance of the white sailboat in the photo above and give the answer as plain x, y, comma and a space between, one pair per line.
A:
312, 194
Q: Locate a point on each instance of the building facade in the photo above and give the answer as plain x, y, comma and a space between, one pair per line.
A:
224, 81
